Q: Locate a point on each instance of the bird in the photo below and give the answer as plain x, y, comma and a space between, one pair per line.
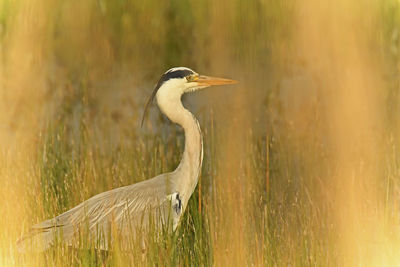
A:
163, 198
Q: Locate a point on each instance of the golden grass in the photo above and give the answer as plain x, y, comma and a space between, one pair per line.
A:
301, 158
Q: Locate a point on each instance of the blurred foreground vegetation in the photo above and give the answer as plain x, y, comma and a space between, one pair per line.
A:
302, 162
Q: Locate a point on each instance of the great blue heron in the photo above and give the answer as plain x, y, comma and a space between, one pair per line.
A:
165, 195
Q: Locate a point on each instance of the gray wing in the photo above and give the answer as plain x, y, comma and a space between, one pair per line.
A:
122, 208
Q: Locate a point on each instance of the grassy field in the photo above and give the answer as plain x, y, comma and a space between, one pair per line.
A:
301, 159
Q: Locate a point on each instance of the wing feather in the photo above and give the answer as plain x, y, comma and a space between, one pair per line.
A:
121, 207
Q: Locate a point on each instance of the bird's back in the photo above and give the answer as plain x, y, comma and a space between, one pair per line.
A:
123, 211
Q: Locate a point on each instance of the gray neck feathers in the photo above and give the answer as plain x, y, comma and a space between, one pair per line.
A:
187, 173
190, 165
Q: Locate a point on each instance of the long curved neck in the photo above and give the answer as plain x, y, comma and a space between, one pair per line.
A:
190, 165
187, 173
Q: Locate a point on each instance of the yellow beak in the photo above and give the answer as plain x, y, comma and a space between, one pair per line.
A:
208, 81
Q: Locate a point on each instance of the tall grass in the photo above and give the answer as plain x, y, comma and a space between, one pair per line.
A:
301, 159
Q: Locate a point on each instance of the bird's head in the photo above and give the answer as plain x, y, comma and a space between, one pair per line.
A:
177, 81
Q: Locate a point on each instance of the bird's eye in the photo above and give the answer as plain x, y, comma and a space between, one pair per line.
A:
191, 78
